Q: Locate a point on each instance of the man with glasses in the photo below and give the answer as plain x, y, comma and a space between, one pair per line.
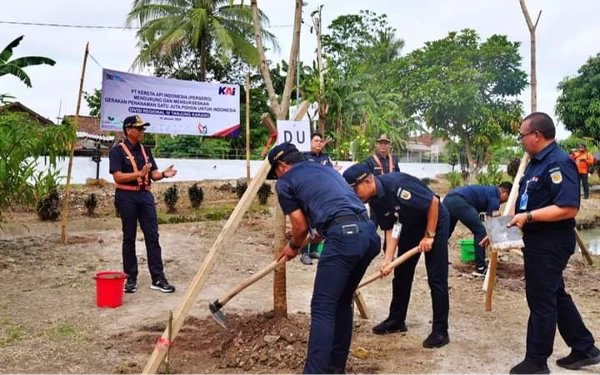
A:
133, 168
546, 207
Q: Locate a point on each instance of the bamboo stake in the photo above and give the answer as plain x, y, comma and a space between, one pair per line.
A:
168, 361
248, 128
65, 203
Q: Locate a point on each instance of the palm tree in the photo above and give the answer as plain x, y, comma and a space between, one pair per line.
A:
204, 26
15, 67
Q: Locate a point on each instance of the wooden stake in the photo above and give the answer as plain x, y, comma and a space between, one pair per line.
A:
65, 203
207, 265
248, 128
583, 247
170, 328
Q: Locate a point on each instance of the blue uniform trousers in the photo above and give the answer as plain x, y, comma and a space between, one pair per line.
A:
460, 210
341, 267
546, 255
139, 206
436, 261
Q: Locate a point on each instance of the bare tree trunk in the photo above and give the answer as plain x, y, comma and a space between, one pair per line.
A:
280, 110
533, 76
322, 104
203, 56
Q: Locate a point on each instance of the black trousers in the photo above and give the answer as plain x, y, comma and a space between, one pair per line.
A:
139, 206
436, 261
546, 255
460, 210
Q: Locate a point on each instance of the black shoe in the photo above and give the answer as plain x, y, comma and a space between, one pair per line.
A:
130, 285
577, 360
162, 285
389, 326
530, 367
314, 255
436, 340
480, 272
335, 370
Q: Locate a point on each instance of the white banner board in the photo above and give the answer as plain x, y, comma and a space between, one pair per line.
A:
296, 132
171, 106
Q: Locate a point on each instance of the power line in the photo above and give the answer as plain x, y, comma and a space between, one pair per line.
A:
62, 25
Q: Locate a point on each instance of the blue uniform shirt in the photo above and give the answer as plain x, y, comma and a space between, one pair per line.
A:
120, 162
384, 168
400, 197
551, 178
320, 202
321, 158
483, 198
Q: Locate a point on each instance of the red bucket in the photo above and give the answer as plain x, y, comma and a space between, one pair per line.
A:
109, 288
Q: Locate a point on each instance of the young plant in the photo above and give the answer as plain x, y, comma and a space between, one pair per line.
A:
171, 197
48, 208
196, 195
263, 193
91, 202
240, 189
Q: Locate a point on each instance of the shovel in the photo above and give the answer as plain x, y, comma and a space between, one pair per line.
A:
216, 306
398, 261
501, 237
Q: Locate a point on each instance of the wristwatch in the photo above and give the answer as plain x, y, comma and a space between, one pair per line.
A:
429, 234
293, 245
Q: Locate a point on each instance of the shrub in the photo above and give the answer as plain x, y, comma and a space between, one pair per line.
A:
263, 193
91, 203
48, 208
492, 177
428, 181
455, 179
171, 197
240, 189
196, 194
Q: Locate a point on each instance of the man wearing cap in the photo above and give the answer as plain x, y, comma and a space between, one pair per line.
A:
383, 161
133, 168
335, 212
584, 161
411, 216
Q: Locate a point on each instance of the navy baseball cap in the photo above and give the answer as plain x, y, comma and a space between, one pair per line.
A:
134, 122
276, 154
356, 174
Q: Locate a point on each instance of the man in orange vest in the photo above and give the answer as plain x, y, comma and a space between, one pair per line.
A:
383, 161
584, 161
133, 168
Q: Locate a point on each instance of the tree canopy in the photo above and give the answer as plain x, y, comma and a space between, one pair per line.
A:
578, 105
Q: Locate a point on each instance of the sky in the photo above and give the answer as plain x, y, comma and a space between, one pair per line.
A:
566, 38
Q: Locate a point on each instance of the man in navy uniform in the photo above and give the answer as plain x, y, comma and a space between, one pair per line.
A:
333, 209
383, 161
133, 168
316, 155
546, 207
465, 203
411, 215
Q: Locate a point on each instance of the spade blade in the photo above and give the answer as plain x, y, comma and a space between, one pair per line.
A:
217, 314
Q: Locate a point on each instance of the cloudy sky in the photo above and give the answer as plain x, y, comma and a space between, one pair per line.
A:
566, 38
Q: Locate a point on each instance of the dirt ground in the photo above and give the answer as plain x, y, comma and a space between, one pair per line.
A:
49, 322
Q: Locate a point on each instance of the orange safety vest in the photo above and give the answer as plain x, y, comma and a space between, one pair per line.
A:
143, 182
390, 160
583, 160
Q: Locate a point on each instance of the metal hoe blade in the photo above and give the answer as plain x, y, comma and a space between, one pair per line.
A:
217, 314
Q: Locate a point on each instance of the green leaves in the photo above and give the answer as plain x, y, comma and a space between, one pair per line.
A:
578, 105
22, 143
16, 67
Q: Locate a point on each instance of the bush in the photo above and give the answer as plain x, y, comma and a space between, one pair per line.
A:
240, 189
493, 176
455, 179
48, 208
91, 203
196, 194
171, 197
263, 193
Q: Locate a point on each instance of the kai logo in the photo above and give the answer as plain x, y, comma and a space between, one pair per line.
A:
224, 90
114, 77
202, 129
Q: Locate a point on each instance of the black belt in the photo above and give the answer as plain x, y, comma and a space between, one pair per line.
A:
344, 219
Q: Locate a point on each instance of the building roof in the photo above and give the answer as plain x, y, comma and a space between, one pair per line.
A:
19, 107
88, 124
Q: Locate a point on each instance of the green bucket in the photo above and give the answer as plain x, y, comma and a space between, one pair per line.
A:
467, 250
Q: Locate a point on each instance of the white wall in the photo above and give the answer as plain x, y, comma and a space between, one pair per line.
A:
197, 169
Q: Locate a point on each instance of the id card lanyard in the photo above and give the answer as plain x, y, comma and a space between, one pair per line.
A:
524, 198
397, 228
